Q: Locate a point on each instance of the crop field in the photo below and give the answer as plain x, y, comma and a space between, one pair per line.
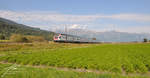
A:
119, 59
19, 71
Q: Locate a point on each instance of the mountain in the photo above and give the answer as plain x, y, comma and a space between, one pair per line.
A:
109, 36
114, 36
8, 27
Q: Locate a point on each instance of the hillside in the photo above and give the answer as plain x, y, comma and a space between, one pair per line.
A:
8, 27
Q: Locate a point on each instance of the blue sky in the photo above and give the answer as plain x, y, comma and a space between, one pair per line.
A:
97, 15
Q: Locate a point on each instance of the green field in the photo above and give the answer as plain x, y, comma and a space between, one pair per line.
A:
115, 59
19, 71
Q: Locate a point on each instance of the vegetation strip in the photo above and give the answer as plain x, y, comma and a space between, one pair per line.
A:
79, 70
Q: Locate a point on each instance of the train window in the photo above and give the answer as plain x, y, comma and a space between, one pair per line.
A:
78, 38
60, 37
64, 36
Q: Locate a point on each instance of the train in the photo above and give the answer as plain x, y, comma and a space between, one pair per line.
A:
72, 39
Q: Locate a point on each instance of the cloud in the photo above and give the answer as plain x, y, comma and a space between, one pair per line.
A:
77, 26
130, 17
47, 20
42, 16
63, 27
57, 17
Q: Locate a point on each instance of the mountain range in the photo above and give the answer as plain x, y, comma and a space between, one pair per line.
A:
109, 36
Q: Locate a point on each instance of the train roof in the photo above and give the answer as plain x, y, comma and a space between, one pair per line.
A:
71, 35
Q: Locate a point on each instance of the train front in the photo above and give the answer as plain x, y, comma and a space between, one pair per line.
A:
56, 37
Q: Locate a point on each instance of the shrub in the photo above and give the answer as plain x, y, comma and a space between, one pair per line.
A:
18, 38
2, 37
35, 39
145, 40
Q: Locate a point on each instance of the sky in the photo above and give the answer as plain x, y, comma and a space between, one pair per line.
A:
97, 15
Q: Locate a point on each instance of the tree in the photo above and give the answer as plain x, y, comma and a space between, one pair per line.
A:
145, 40
2, 37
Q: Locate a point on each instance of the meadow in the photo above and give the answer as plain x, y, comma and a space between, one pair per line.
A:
123, 59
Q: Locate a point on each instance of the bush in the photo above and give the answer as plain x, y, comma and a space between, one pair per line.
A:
2, 37
18, 38
35, 39
22, 38
145, 40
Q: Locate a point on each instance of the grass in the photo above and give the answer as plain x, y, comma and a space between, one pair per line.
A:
19, 71
36, 46
4, 41
114, 58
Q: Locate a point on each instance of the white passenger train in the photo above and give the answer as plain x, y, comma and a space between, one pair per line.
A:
71, 38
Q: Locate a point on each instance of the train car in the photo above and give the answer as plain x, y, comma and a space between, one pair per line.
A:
71, 38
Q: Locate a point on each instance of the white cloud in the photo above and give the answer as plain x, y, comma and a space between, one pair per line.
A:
77, 26
130, 17
57, 17
43, 19
41, 16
